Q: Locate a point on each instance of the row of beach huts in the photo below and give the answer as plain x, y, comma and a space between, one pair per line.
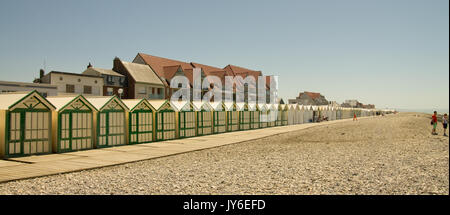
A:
31, 124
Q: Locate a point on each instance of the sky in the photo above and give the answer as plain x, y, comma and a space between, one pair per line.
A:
391, 53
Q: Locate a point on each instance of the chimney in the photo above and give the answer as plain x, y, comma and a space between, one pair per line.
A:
41, 74
89, 65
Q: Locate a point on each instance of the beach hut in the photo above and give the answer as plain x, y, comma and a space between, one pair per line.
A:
204, 118
219, 117
272, 115
330, 113
72, 123
254, 115
186, 119
299, 114
165, 120
140, 120
25, 124
244, 116
291, 112
263, 115
232, 116
110, 121
338, 113
308, 114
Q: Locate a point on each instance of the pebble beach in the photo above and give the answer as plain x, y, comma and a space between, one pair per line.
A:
394, 154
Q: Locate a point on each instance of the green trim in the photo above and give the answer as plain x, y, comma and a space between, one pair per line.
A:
183, 126
22, 129
107, 128
216, 122
201, 122
138, 125
29, 94
163, 130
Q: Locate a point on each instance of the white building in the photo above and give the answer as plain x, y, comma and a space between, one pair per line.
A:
44, 89
73, 83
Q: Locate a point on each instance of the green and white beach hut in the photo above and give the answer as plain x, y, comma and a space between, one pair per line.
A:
272, 114
110, 121
244, 116
73, 125
263, 115
282, 116
292, 111
219, 117
254, 115
140, 121
232, 116
186, 118
204, 118
299, 114
25, 124
307, 114
165, 126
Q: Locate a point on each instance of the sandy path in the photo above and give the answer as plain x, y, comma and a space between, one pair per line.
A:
385, 155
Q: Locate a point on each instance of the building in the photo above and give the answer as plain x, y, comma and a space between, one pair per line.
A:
72, 83
166, 69
309, 98
352, 103
113, 82
142, 81
244, 73
44, 89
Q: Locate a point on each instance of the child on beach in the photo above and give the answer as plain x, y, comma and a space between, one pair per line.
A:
434, 123
444, 123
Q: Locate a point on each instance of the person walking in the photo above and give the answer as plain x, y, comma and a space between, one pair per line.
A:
434, 123
444, 123
354, 117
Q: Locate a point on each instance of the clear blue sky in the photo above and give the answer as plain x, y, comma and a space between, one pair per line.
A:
393, 53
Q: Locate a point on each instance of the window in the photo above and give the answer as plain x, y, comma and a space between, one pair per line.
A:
142, 90
159, 91
70, 88
79, 80
153, 90
60, 78
95, 81
109, 91
87, 90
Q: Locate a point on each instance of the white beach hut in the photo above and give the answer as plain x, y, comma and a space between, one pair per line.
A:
25, 124
72, 123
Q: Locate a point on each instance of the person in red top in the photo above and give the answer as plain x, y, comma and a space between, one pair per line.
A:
434, 123
354, 117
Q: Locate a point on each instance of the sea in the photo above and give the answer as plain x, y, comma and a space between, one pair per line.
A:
427, 110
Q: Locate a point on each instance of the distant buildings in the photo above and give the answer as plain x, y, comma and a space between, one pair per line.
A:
146, 77
72, 83
43, 89
309, 98
356, 104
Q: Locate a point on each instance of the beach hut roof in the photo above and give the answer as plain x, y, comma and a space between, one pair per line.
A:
183, 106
161, 104
133, 104
229, 105
263, 106
10, 101
217, 105
199, 105
241, 105
253, 106
62, 102
102, 102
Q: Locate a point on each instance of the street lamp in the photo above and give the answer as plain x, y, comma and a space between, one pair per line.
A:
120, 91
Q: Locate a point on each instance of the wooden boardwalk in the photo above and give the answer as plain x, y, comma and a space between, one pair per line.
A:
43, 165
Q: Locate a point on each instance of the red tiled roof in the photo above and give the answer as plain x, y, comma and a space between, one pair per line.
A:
313, 95
158, 64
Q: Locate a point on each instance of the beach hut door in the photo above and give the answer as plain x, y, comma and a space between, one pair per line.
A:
28, 132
